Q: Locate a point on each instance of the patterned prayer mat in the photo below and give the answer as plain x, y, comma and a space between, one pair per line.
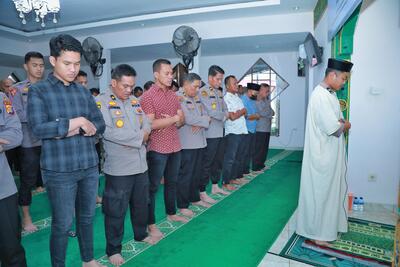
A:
365, 244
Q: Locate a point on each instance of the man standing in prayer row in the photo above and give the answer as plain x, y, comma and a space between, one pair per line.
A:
322, 201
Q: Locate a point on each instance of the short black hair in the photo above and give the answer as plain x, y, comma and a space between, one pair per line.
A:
190, 77
64, 42
226, 81
147, 85
265, 85
157, 64
123, 70
81, 73
32, 54
94, 90
214, 70
137, 89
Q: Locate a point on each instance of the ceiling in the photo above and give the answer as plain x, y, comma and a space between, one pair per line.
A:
94, 16
78, 14
213, 47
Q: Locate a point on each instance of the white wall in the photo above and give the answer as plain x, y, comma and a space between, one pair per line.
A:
374, 144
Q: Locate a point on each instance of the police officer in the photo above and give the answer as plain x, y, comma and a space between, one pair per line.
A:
31, 145
193, 141
125, 166
11, 251
213, 156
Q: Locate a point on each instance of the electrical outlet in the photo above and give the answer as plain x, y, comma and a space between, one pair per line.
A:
372, 178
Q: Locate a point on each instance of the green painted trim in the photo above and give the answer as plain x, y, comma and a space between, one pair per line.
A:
319, 10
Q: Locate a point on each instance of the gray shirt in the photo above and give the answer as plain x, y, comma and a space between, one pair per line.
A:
10, 130
195, 115
125, 153
266, 112
20, 104
215, 107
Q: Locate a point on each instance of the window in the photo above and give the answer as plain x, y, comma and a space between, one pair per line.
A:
259, 73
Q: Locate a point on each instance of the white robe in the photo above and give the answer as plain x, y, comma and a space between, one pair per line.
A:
322, 202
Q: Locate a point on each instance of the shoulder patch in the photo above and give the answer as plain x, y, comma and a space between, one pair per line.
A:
8, 106
204, 93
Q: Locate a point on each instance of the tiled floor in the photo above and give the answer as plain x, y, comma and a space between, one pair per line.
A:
372, 212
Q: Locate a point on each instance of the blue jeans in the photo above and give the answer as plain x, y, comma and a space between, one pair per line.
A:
69, 191
166, 165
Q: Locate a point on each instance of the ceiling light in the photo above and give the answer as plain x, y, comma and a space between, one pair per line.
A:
40, 7
296, 8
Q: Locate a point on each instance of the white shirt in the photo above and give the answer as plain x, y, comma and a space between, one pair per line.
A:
233, 104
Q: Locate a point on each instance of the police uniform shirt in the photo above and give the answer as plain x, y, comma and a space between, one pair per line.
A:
195, 115
265, 111
233, 104
125, 153
20, 104
214, 105
10, 130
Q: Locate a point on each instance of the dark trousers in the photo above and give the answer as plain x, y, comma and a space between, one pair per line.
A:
13, 158
121, 191
213, 158
249, 153
12, 254
69, 191
189, 177
238, 165
261, 153
98, 150
167, 166
230, 156
30, 173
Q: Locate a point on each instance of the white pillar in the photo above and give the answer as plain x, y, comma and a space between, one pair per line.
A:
105, 78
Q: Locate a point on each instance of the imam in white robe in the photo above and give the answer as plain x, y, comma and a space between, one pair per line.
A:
322, 201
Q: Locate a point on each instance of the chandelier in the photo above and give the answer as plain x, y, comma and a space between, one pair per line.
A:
41, 8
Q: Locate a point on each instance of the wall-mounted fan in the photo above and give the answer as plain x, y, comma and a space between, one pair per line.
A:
92, 51
186, 42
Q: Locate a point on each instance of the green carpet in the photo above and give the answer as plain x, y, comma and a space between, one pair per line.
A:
365, 244
237, 231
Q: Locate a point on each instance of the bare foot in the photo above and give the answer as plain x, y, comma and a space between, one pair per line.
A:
152, 240
206, 198
202, 203
186, 212
116, 259
322, 243
257, 172
27, 224
99, 199
216, 190
93, 263
154, 231
177, 218
236, 181
162, 181
229, 187
265, 168
39, 189
244, 180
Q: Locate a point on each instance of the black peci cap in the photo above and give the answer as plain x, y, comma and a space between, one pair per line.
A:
253, 86
340, 65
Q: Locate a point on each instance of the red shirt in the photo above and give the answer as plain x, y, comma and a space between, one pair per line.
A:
156, 101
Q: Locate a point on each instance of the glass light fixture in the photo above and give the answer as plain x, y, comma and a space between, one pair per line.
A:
40, 7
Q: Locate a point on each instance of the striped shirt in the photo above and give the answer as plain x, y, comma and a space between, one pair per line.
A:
51, 105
